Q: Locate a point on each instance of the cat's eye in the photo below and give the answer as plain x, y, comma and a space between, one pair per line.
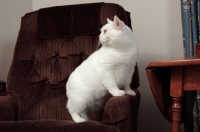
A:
104, 31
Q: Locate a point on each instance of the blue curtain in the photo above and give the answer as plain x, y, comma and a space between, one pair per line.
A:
190, 17
190, 11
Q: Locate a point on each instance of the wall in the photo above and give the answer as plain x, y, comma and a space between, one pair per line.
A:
157, 28
11, 12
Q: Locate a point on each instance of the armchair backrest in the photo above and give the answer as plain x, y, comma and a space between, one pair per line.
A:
51, 43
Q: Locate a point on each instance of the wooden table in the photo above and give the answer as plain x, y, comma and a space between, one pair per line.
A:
173, 77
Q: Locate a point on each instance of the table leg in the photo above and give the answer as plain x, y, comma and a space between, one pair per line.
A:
176, 114
176, 86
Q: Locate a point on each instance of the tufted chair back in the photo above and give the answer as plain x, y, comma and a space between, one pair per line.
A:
52, 42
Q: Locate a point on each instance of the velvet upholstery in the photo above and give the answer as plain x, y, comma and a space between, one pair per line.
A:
44, 57
72, 22
8, 108
54, 126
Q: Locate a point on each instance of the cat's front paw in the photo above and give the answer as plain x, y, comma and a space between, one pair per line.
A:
130, 92
119, 93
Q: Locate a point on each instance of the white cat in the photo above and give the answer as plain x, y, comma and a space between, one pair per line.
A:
109, 69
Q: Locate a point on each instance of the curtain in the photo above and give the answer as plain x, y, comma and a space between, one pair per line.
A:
190, 17
190, 11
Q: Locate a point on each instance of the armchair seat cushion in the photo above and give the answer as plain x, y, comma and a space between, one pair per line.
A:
54, 126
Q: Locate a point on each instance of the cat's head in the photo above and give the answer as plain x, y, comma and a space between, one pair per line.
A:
114, 33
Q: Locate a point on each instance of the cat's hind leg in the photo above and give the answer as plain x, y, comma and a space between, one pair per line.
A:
77, 118
84, 116
75, 109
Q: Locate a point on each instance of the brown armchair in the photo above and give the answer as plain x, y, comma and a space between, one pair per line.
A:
51, 43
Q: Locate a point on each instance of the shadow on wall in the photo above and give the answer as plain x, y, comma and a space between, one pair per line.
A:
6, 51
159, 37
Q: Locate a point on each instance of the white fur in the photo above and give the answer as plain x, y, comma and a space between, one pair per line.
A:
107, 70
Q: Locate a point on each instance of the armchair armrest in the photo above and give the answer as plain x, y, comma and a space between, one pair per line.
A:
8, 108
118, 108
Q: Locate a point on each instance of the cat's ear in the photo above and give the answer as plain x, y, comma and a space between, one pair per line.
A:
109, 21
118, 23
